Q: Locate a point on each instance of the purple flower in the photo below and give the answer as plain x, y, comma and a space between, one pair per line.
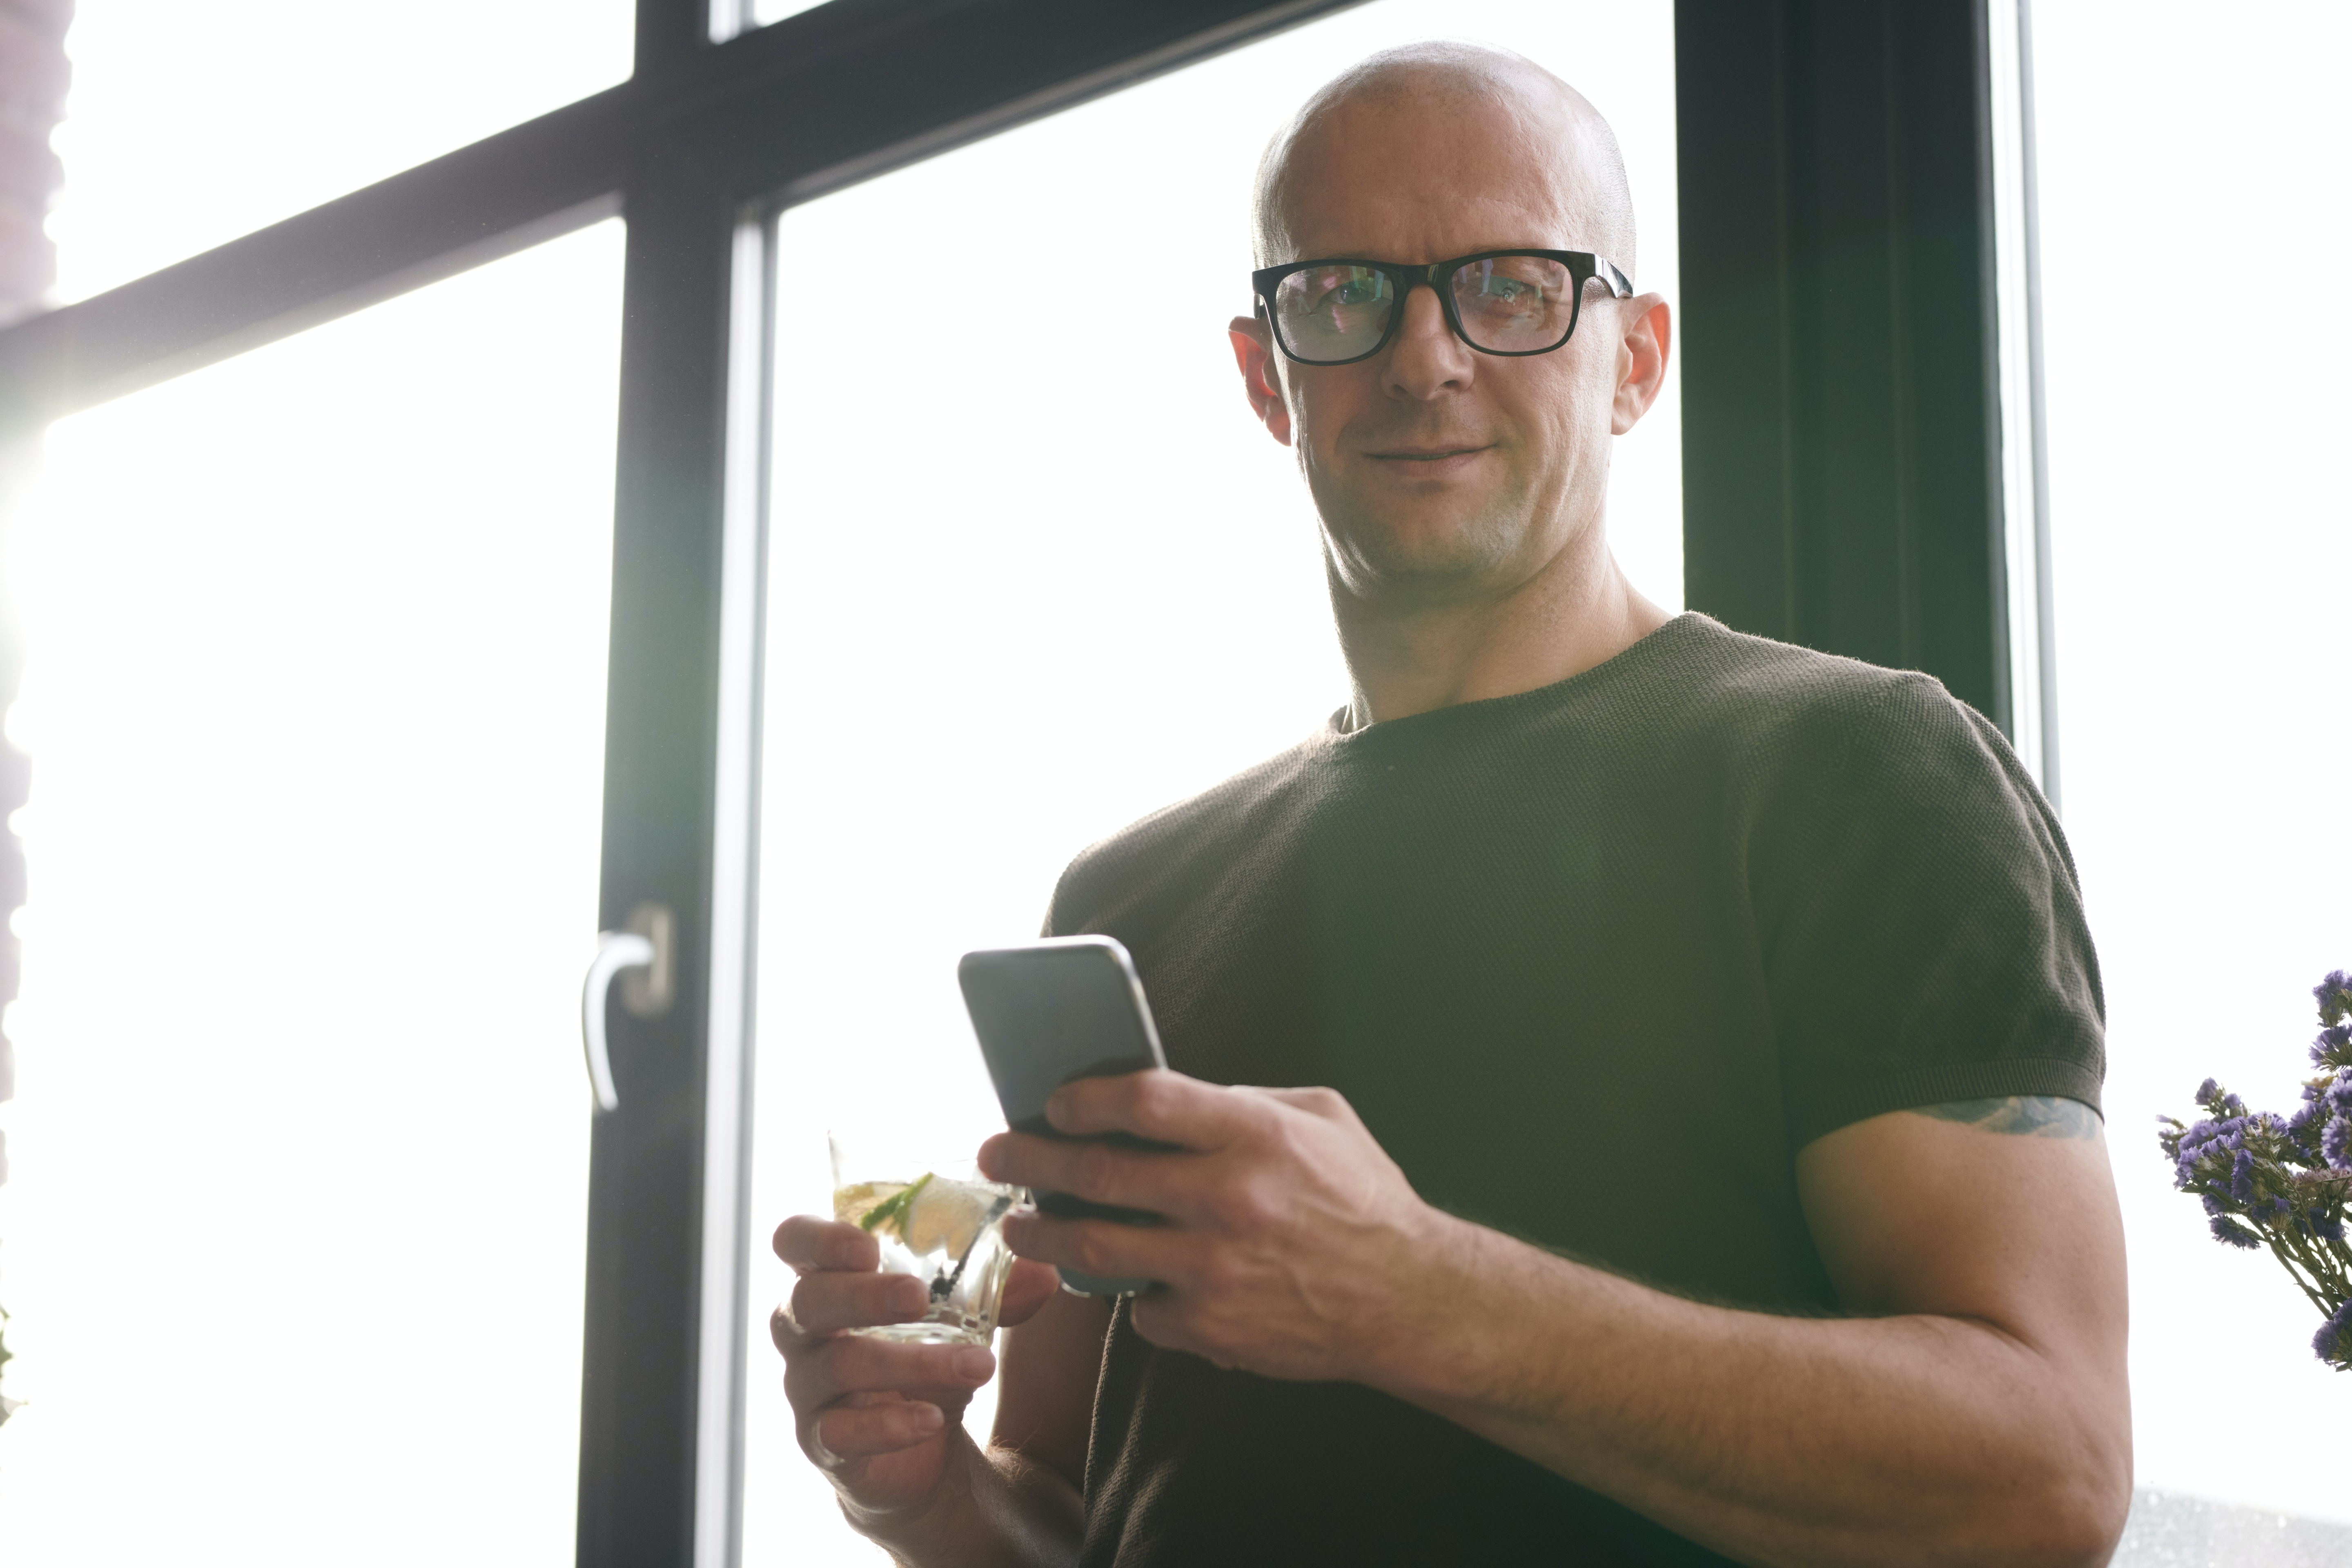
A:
2333, 1342
2228, 1230
2333, 995
2242, 1178
2284, 1183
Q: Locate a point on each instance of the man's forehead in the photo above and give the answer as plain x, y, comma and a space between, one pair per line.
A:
1472, 177
1444, 146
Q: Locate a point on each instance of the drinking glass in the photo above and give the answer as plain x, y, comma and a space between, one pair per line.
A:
936, 1219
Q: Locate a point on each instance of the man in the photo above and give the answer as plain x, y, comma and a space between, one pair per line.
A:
1709, 1166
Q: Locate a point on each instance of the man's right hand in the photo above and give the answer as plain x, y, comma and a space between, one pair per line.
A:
881, 1418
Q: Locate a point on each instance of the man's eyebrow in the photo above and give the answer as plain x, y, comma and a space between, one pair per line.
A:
2026, 1115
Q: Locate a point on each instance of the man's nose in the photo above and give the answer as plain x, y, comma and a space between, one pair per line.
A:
1426, 358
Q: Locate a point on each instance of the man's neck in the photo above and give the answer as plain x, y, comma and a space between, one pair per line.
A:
1567, 618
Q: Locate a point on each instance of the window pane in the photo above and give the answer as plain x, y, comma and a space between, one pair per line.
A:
2202, 547
1087, 583
294, 1223
190, 125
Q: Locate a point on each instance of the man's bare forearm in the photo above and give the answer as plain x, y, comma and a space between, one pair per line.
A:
993, 1509
1911, 1439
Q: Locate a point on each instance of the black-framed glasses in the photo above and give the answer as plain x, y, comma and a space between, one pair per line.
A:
1499, 301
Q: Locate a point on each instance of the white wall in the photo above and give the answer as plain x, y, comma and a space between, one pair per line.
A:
2193, 225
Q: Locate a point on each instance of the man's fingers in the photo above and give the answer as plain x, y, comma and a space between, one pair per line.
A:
809, 1243
1089, 1168
1027, 1288
1328, 1104
1165, 1107
860, 1363
1159, 1317
860, 1432
1102, 1247
824, 1303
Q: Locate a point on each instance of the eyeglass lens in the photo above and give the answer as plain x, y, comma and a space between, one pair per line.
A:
1512, 304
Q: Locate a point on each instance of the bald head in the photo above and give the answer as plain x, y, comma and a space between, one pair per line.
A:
1492, 113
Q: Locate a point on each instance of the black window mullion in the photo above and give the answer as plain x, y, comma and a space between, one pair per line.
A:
668, 33
640, 1370
1840, 414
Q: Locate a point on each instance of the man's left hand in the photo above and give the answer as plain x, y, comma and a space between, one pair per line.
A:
1292, 1245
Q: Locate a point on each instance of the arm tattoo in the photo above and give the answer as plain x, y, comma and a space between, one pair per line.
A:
2030, 1115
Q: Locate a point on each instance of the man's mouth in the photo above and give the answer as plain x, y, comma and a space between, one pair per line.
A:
1422, 454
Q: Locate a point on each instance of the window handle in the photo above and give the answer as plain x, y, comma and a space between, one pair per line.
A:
645, 949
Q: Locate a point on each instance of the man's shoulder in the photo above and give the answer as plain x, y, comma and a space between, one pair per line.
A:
1206, 830
1764, 682
1766, 701
1812, 750
1779, 727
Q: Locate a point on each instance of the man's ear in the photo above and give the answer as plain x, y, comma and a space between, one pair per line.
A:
1254, 353
1642, 360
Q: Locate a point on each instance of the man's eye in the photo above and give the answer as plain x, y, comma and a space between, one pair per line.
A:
1340, 291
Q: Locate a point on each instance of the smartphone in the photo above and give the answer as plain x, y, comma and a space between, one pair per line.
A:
1048, 1011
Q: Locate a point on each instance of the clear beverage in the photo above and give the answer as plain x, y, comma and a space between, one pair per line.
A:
939, 1223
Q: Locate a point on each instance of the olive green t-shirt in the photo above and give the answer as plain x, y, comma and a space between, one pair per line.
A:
1592, 962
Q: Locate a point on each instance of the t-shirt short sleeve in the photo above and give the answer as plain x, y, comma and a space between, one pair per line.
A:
1920, 921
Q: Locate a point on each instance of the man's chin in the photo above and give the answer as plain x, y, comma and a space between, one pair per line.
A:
1419, 558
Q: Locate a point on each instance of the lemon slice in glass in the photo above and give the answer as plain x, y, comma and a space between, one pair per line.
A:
851, 1204
946, 1217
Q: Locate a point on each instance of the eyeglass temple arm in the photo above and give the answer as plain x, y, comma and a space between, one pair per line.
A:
1618, 284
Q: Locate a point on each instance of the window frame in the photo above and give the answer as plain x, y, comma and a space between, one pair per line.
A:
698, 151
